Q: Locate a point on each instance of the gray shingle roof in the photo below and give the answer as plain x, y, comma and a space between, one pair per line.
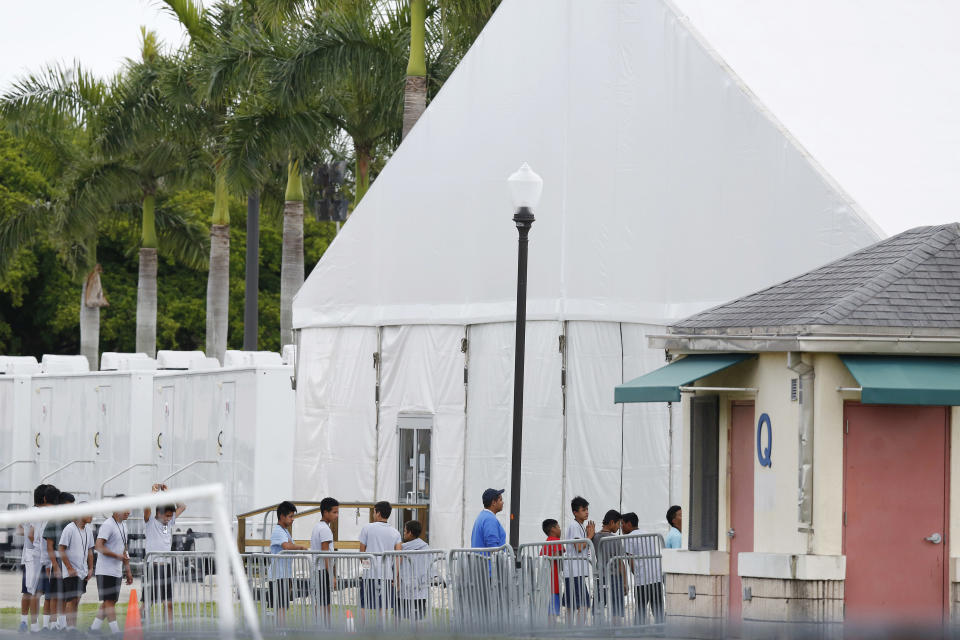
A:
911, 280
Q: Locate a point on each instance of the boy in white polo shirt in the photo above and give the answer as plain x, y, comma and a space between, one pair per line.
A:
112, 562
158, 528
30, 571
321, 539
576, 566
376, 588
76, 559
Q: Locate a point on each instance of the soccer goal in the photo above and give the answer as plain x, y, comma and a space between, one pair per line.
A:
231, 586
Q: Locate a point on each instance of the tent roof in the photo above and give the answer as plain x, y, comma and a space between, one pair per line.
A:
668, 188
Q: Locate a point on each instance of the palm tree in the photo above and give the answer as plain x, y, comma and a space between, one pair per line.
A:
260, 133
143, 154
55, 112
205, 30
415, 90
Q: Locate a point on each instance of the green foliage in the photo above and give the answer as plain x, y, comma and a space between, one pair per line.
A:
259, 83
40, 298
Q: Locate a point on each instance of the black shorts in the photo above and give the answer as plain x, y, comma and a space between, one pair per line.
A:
55, 587
160, 582
280, 593
71, 587
109, 588
323, 598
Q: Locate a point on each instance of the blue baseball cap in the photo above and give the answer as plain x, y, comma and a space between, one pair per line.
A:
489, 495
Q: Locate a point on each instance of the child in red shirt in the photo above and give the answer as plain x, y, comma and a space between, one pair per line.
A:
552, 529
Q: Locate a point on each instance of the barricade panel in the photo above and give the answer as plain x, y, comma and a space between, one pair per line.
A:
560, 585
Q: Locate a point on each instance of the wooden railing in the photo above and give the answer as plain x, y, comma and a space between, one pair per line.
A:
312, 508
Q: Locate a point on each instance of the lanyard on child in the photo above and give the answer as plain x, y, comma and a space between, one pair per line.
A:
120, 531
83, 540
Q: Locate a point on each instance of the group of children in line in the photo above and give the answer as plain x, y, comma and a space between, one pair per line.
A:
377, 584
614, 559
60, 557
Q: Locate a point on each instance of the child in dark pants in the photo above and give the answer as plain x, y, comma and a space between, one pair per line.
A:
414, 573
76, 556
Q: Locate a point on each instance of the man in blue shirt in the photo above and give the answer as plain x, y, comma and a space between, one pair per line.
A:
487, 530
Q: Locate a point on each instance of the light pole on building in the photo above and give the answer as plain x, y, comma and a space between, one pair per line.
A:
525, 188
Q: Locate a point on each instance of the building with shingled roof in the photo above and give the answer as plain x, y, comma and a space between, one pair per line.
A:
819, 414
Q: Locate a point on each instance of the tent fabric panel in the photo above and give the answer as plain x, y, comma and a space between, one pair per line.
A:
663, 384
422, 371
930, 381
490, 423
336, 414
652, 450
594, 424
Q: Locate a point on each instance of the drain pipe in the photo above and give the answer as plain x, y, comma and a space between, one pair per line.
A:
805, 432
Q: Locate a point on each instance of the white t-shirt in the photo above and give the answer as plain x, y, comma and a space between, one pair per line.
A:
26, 554
79, 542
115, 539
648, 570
572, 566
159, 536
40, 554
379, 537
321, 533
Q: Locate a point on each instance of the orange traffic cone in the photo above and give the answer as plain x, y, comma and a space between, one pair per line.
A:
132, 629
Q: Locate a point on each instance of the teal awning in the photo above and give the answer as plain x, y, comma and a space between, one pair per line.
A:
906, 379
663, 385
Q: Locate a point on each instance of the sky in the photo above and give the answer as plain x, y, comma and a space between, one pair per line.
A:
868, 87
99, 33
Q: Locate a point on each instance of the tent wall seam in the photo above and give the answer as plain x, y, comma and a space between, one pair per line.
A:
563, 410
620, 328
378, 363
466, 422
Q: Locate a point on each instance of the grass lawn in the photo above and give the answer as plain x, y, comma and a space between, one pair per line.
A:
10, 616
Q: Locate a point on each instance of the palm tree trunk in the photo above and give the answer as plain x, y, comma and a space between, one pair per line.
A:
251, 310
362, 153
218, 279
89, 330
291, 265
415, 89
147, 283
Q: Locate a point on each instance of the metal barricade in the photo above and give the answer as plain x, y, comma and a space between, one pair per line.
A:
284, 587
629, 586
618, 583
556, 582
422, 587
179, 591
338, 601
484, 590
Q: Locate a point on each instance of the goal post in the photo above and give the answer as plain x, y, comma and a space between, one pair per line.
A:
229, 566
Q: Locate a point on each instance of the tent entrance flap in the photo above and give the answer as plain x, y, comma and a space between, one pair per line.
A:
930, 381
663, 385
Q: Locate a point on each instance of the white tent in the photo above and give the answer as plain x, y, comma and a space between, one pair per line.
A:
667, 188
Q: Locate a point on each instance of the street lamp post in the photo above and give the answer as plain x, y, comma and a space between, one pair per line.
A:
525, 187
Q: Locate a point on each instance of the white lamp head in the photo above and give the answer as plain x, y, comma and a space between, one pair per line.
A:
525, 187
